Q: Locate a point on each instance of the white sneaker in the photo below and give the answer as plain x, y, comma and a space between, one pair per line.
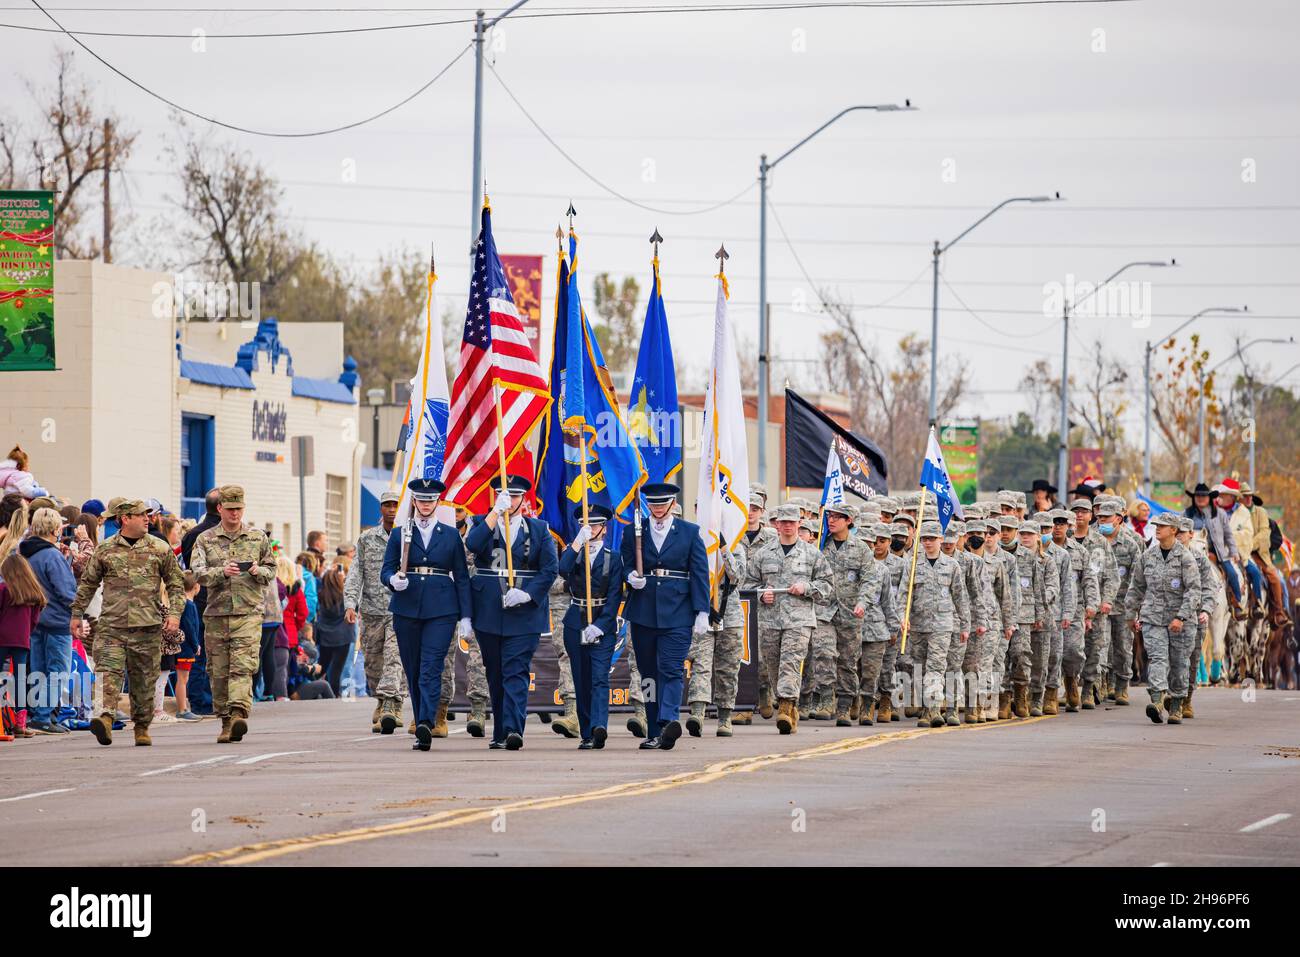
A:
163, 717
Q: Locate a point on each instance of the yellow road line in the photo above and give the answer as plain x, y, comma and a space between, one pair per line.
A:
255, 853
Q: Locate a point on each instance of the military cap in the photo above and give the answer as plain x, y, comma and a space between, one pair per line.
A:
976, 526
113, 503
870, 507
1166, 518
931, 530
41, 501
1185, 524
1021, 499
659, 492
842, 508
130, 506
231, 496
1007, 497
931, 501
788, 512
596, 514
1044, 520
810, 525
1008, 521
975, 510
390, 495
865, 532
1061, 515
905, 517
958, 525
1030, 527
516, 484
1108, 507
425, 489
887, 503
879, 530
899, 529
1081, 504
757, 490
950, 534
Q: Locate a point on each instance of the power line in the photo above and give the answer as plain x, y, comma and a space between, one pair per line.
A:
609, 189
242, 129
988, 325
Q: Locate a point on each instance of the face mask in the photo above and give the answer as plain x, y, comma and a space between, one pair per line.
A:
1106, 529
976, 542
1046, 538
895, 546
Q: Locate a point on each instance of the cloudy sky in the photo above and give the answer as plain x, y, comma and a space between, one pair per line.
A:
1171, 127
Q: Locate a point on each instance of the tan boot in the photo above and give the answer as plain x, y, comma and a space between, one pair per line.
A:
1021, 706
440, 721
476, 723
823, 706
972, 714
695, 720
765, 703
238, 727
374, 718
568, 725
1071, 694
142, 739
1051, 696
224, 736
1175, 715
794, 716
1004, 706
636, 723
1121, 693
866, 713
743, 717
101, 726
1086, 699
855, 708
390, 716
410, 728
844, 714
884, 709
786, 715
1036, 705
724, 722
1187, 702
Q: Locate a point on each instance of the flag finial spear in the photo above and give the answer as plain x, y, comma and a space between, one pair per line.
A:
571, 213
722, 256
431, 268
655, 240
559, 239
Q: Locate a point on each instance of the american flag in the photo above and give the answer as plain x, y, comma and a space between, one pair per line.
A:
493, 350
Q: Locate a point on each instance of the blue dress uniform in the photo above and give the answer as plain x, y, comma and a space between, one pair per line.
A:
662, 614
425, 613
508, 636
590, 662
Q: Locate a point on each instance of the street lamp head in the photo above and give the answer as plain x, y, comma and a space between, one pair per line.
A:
375, 396
1045, 199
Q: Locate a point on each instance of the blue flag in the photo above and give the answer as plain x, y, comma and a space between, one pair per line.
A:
934, 476
832, 491
587, 406
652, 416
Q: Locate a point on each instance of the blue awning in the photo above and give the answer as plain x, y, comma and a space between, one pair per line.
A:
212, 373
326, 390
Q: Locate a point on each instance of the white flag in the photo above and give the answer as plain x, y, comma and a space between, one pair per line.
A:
426, 442
722, 498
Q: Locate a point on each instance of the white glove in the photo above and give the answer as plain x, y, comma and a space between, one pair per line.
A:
701, 623
464, 629
583, 536
502, 504
399, 581
515, 596
635, 580
591, 635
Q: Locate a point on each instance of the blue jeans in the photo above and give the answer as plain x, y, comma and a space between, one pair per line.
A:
1256, 579
1234, 583
51, 657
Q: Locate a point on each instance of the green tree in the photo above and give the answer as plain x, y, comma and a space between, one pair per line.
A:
619, 334
1012, 457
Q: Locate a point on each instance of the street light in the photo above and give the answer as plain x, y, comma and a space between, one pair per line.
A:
934, 298
764, 167
1146, 375
1063, 462
375, 398
1203, 376
481, 28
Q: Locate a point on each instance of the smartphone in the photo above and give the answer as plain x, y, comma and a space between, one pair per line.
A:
68, 533
244, 566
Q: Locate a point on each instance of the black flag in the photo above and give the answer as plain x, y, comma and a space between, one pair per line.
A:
809, 433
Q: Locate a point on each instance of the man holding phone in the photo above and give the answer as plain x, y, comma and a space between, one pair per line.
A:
234, 563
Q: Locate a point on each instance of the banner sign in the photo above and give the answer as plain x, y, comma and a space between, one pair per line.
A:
809, 432
26, 280
524, 273
1170, 495
960, 446
544, 688
1083, 463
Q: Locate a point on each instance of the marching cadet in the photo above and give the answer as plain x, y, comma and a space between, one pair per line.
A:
591, 627
787, 620
817, 688
1209, 597
757, 534
963, 657
1127, 547
715, 654
1063, 614
475, 673
1001, 548
128, 632
881, 624
666, 606
898, 560
995, 593
235, 564
839, 621
808, 531
1101, 563
1087, 596
1162, 604
1040, 637
888, 508
510, 616
567, 724
363, 592
940, 609
430, 600
1032, 615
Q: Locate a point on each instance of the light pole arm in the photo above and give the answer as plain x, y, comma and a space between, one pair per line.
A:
881, 107
495, 20
1006, 202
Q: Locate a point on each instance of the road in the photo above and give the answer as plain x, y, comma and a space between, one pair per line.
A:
311, 785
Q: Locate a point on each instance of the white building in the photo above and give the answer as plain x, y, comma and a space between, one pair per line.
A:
144, 406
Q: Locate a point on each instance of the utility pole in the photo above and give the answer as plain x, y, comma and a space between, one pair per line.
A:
108, 191
481, 27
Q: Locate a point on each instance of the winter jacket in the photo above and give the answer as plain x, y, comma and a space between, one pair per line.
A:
14, 479
57, 581
295, 614
16, 621
1214, 521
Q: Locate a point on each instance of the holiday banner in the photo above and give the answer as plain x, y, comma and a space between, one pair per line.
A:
26, 280
960, 445
1170, 495
524, 273
1084, 463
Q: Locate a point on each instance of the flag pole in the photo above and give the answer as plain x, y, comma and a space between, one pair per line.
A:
501, 456
586, 546
911, 582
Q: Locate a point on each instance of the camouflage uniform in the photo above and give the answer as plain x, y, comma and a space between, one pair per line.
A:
939, 608
364, 593
1066, 602
232, 620
765, 535
1041, 638
1209, 598
128, 632
1127, 549
786, 626
1033, 607
1101, 562
964, 655
1087, 596
1001, 612
715, 654
1006, 588
1162, 589
881, 622
849, 561
899, 563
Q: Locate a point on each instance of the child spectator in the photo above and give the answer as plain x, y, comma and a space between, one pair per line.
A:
21, 603
189, 648
50, 653
15, 477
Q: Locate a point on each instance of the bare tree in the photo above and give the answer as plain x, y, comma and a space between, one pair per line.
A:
64, 152
1176, 400
889, 401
